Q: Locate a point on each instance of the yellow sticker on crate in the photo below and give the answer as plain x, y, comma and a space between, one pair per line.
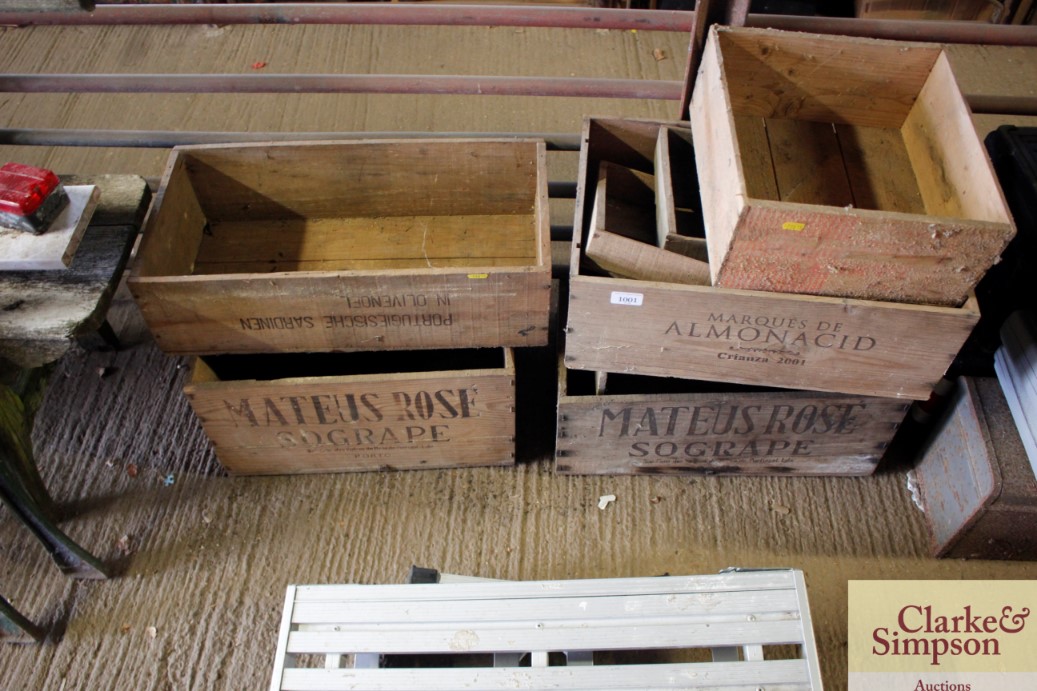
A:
478, 275
793, 225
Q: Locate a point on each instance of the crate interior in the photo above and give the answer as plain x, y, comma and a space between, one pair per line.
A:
365, 206
269, 367
854, 123
586, 383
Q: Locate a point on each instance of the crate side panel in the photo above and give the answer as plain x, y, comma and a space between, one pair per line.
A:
866, 255
316, 425
953, 170
364, 178
722, 186
173, 229
823, 78
328, 311
781, 433
865, 348
340, 244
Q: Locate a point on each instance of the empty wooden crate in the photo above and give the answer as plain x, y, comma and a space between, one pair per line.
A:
348, 245
284, 414
758, 338
842, 166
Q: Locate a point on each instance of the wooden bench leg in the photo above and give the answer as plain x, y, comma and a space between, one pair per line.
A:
14, 628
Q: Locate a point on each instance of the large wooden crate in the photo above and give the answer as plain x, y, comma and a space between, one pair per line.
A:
842, 166
783, 340
348, 245
284, 414
617, 424
975, 482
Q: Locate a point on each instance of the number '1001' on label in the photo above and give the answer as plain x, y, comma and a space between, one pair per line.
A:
631, 299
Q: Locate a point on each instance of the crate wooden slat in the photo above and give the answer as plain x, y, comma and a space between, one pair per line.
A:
861, 347
739, 610
386, 415
648, 425
843, 167
359, 245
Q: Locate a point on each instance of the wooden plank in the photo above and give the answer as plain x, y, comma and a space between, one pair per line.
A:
439, 177
721, 171
776, 74
692, 605
674, 633
860, 253
744, 433
332, 240
362, 422
174, 226
754, 148
785, 675
771, 339
695, 248
879, 169
55, 248
626, 258
476, 306
777, 579
954, 172
808, 163
281, 659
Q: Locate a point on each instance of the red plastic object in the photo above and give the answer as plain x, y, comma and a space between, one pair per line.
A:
24, 188
30, 198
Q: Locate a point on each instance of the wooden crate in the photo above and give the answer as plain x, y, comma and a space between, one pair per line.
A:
791, 341
360, 245
616, 424
974, 480
842, 166
732, 630
283, 414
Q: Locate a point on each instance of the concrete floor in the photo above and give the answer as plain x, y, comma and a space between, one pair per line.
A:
203, 558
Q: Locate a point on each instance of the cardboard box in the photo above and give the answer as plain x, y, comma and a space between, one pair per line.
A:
653, 425
841, 166
363, 245
783, 340
974, 480
285, 414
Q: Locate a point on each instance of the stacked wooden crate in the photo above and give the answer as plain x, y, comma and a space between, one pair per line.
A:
427, 260
848, 209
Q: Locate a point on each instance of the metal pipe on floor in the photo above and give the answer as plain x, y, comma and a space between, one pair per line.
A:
360, 13
164, 139
342, 83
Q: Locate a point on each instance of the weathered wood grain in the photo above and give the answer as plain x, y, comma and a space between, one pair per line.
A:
391, 420
348, 245
43, 312
719, 433
792, 341
880, 190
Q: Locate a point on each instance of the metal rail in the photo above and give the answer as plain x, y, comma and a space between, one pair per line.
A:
360, 13
165, 139
341, 83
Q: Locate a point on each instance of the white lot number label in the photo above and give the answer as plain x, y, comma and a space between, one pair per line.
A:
631, 299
